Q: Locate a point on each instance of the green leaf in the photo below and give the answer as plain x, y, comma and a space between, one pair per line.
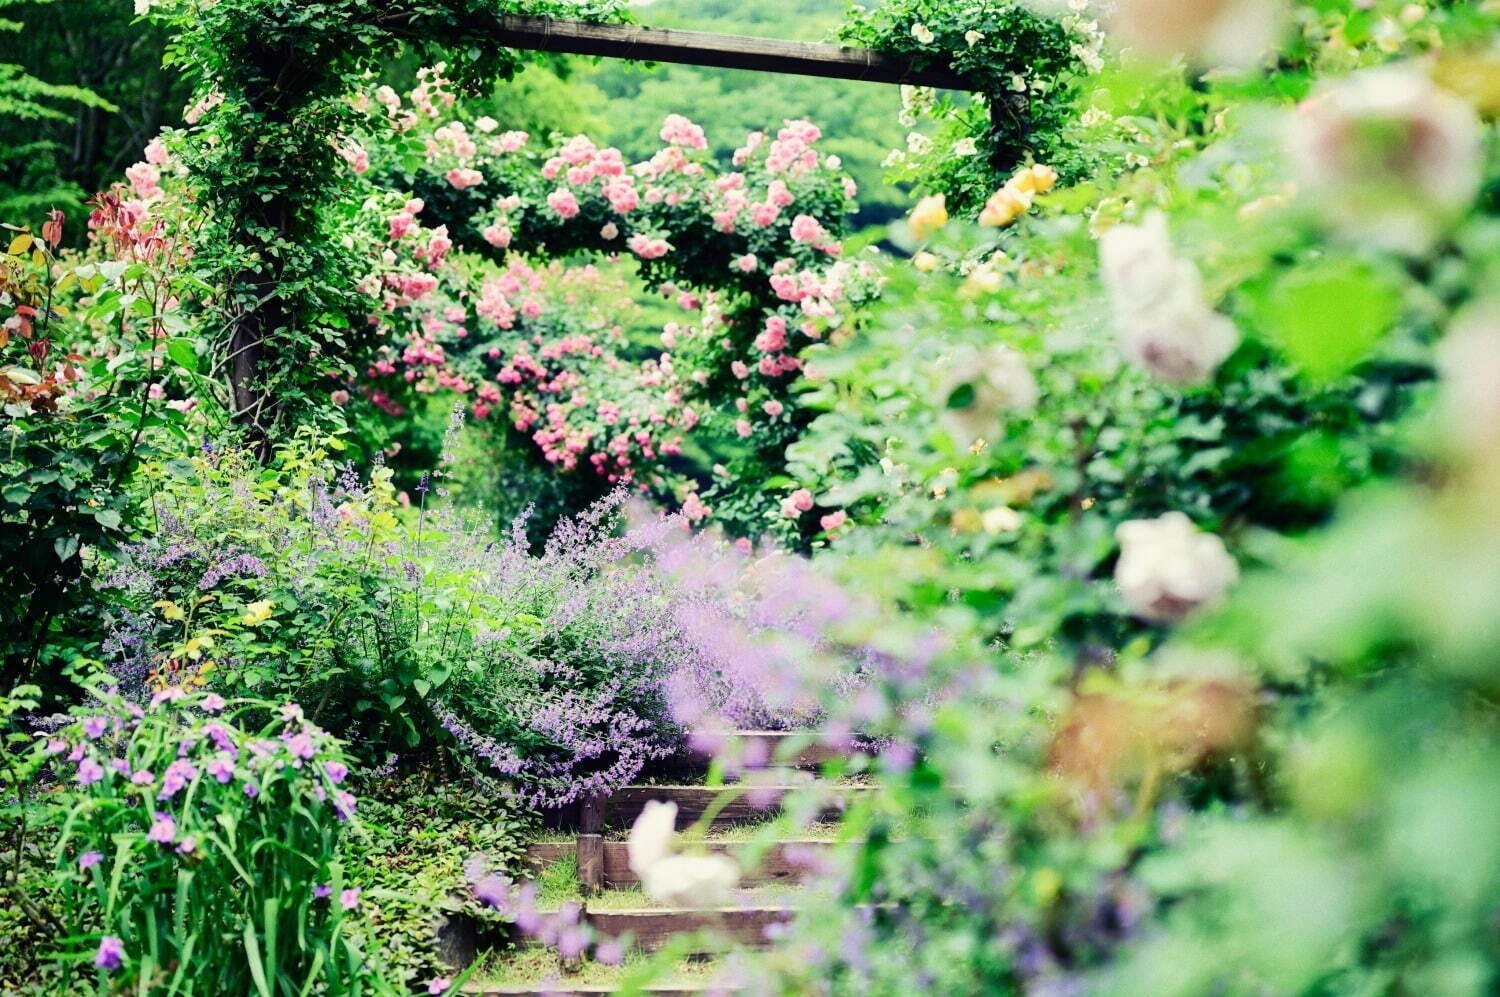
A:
183, 353
1329, 314
108, 518
66, 547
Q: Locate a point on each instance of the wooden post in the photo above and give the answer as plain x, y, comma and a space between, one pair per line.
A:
591, 846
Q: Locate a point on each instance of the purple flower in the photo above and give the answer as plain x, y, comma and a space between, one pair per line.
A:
571, 941
167, 695
90, 859
343, 804
291, 713
251, 791
163, 829
439, 985
186, 846
89, 772
121, 766
111, 953
242, 564
56, 746
177, 776
221, 768
95, 727
609, 952
349, 899
322, 891
337, 771
143, 778
213, 703
300, 745
221, 737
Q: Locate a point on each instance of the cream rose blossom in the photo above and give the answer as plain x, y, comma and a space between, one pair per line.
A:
983, 386
1168, 567
1387, 157
1161, 319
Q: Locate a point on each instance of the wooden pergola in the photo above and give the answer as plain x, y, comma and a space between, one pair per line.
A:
697, 48
563, 36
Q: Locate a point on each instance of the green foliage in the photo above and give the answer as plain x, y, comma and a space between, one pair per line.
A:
75, 426
117, 97
408, 856
298, 582
1028, 66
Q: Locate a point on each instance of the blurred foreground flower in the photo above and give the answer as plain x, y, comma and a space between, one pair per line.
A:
1168, 567
981, 387
1110, 736
1214, 32
1387, 157
930, 215
1469, 359
698, 880
1160, 315
1014, 199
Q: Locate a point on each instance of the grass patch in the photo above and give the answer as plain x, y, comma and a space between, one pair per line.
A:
531, 965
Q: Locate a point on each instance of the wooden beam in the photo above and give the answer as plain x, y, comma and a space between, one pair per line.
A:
698, 48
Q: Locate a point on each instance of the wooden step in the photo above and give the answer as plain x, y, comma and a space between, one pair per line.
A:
744, 806
776, 865
584, 990
649, 928
791, 749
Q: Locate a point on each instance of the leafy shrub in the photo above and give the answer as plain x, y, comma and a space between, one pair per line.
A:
298, 581
90, 354
197, 854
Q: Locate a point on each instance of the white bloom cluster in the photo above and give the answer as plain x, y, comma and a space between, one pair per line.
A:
1168, 567
1161, 319
676, 880
1387, 157
997, 381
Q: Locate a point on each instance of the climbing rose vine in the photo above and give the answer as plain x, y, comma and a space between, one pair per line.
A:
506, 281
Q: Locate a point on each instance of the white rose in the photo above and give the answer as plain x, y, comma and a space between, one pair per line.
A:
692, 880
922, 33
676, 880
1469, 359
1387, 157
1168, 567
996, 381
1161, 320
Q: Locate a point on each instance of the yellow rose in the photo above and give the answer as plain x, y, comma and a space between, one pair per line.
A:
1004, 206
258, 613
930, 214
925, 261
1037, 179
